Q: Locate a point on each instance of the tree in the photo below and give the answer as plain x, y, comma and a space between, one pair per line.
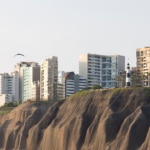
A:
119, 81
136, 80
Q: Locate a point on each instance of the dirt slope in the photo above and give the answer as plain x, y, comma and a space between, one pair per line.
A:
117, 119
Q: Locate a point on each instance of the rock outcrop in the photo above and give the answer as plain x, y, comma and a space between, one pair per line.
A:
117, 119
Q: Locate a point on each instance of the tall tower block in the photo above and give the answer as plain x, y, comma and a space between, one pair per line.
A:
128, 75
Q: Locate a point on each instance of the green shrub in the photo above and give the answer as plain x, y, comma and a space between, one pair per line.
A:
95, 87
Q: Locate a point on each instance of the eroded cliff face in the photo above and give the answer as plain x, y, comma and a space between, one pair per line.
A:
96, 120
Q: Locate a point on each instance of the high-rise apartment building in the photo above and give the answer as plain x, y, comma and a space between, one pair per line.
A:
19, 67
143, 65
49, 79
30, 74
9, 87
101, 69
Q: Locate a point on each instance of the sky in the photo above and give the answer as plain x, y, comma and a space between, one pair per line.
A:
40, 29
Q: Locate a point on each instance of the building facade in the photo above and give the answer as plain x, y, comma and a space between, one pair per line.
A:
35, 91
61, 86
30, 74
49, 79
81, 83
73, 83
101, 69
19, 67
143, 65
9, 87
69, 83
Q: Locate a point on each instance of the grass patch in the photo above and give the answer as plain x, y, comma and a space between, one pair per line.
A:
83, 92
3, 112
123, 89
79, 93
7, 107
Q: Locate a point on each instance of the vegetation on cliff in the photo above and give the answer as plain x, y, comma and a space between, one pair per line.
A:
7, 107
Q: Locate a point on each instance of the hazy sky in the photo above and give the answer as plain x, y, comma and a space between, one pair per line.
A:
67, 28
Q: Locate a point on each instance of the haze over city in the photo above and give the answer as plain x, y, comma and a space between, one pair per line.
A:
66, 29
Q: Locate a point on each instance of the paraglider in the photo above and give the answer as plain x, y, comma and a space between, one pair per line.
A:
18, 54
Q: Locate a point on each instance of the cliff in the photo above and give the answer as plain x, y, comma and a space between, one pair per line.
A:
117, 119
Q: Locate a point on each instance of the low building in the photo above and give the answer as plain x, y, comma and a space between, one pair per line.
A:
71, 83
5, 98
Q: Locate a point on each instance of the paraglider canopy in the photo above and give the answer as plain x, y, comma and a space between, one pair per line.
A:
18, 54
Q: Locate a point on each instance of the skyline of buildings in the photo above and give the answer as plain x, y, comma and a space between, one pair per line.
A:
34, 81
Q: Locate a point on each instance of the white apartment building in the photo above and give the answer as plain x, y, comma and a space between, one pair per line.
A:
101, 69
49, 79
30, 74
19, 67
9, 87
